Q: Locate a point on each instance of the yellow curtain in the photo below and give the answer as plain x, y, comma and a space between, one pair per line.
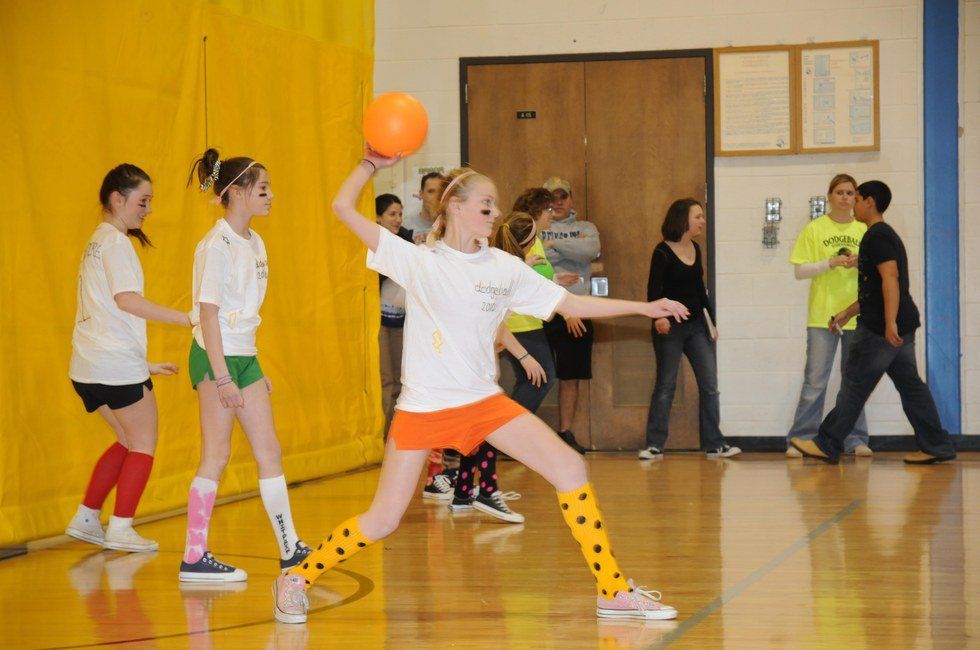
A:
85, 86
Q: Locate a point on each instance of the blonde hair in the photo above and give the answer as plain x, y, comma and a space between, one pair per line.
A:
456, 185
514, 233
840, 179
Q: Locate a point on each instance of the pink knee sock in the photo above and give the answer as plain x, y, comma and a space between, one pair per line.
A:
200, 505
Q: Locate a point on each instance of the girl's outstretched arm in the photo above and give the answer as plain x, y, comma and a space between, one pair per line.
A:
591, 307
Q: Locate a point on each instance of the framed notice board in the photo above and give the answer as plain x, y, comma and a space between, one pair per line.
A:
838, 97
755, 100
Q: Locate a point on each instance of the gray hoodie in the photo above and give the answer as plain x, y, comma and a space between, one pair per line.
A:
572, 253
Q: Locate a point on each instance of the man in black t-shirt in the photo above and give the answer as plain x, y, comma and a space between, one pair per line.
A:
884, 342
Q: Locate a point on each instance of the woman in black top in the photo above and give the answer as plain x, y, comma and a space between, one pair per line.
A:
676, 272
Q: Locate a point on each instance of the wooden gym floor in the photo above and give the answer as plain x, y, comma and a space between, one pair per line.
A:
755, 552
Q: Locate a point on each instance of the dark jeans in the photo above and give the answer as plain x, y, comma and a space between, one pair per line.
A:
525, 393
690, 338
871, 357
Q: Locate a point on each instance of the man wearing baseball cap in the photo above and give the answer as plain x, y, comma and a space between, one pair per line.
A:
571, 246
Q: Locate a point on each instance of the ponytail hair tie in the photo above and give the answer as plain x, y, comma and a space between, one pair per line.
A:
209, 181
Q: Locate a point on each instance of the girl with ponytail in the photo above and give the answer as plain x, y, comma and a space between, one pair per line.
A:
108, 363
231, 270
459, 291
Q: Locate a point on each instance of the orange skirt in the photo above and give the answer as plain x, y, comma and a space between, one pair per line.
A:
462, 428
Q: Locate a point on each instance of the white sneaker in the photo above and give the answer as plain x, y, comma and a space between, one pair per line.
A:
725, 451
510, 496
127, 539
793, 452
85, 526
289, 597
651, 453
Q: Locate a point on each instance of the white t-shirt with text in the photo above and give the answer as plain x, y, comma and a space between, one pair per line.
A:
455, 302
230, 272
108, 344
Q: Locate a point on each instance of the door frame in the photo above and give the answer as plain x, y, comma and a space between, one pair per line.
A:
709, 116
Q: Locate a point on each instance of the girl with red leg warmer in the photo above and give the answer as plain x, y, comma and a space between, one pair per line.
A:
108, 364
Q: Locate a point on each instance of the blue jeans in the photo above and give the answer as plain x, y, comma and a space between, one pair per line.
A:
524, 392
821, 345
870, 358
691, 339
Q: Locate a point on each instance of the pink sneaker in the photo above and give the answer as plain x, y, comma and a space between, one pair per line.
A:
289, 594
636, 603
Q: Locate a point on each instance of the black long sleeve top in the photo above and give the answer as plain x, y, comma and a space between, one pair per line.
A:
671, 278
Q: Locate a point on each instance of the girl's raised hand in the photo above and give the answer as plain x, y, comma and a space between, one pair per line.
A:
378, 160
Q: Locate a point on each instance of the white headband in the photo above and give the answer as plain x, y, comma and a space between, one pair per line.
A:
453, 183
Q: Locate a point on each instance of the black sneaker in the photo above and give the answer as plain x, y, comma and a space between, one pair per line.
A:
495, 506
300, 554
569, 439
461, 505
725, 451
209, 569
441, 488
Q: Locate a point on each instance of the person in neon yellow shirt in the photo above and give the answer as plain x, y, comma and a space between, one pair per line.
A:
826, 253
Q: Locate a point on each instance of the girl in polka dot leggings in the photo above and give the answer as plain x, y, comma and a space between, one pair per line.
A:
458, 291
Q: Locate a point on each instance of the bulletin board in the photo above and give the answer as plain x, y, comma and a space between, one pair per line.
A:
839, 98
755, 100
792, 99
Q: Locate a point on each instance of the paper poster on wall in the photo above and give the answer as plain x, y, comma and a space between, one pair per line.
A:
839, 96
754, 101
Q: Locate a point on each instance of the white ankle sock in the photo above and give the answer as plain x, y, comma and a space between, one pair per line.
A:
275, 497
118, 523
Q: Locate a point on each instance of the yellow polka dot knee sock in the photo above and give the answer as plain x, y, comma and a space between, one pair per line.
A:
345, 540
581, 513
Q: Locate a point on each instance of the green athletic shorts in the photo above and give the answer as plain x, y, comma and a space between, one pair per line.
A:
243, 370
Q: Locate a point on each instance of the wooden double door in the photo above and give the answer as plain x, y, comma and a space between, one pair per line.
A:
630, 136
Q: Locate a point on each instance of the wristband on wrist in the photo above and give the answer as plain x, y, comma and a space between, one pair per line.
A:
373, 166
525, 355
